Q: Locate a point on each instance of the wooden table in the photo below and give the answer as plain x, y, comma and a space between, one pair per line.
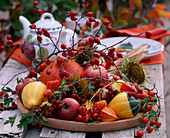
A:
13, 67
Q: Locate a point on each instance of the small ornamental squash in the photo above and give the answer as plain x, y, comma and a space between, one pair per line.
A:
118, 84
108, 115
71, 67
32, 94
127, 87
100, 104
124, 106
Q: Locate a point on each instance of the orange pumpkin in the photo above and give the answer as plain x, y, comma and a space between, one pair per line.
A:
108, 115
71, 67
54, 84
100, 104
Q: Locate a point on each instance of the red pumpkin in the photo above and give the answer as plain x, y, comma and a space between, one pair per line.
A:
71, 67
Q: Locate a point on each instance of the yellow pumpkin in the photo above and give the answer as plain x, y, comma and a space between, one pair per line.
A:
32, 94
124, 106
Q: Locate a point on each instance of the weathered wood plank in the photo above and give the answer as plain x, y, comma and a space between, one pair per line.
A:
156, 77
128, 133
7, 72
53, 133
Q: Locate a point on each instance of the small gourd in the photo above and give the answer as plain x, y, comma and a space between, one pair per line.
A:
124, 106
32, 94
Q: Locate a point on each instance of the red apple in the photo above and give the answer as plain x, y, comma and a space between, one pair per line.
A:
95, 71
22, 84
69, 109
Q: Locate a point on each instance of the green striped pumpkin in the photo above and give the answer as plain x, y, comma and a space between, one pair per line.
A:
124, 106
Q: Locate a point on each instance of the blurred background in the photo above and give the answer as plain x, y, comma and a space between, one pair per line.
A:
121, 13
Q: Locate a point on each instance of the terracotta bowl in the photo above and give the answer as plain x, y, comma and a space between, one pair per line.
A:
83, 127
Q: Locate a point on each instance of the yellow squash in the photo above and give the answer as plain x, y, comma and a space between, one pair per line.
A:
32, 94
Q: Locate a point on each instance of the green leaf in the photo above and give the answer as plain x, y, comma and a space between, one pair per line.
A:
43, 119
91, 87
5, 5
7, 89
19, 80
11, 120
63, 84
7, 102
35, 119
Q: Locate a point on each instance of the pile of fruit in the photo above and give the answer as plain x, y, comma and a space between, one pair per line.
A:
78, 85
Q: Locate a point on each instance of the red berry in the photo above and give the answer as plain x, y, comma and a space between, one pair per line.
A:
135, 84
63, 46
39, 11
9, 42
96, 35
48, 72
85, 119
97, 61
96, 54
90, 111
97, 41
145, 120
73, 13
89, 14
68, 13
71, 53
79, 117
83, 100
47, 34
44, 30
82, 111
159, 124
106, 23
88, 23
119, 54
139, 133
96, 110
33, 73
153, 122
129, 94
9, 37
82, 48
151, 93
148, 107
91, 39
39, 38
92, 61
87, 41
149, 129
142, 96
91, 19
95, 116
2, 48
108, 28
42, 66
33, 26
139, 90
39, 32
73, 18
35, 3
64, 54
47, 61
71, 86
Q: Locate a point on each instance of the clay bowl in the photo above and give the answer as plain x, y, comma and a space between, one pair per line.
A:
83, 127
